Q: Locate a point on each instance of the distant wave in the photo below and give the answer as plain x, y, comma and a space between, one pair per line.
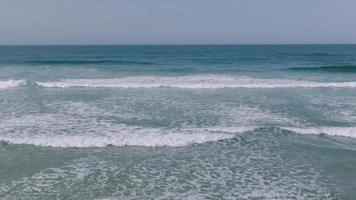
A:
86, 62
191, 82
128, 136
187, 82
332, 131
11, 83
336, 68
307, 54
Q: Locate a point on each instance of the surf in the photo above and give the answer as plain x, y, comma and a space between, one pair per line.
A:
331, 131
11, 83
126, 136
192, 82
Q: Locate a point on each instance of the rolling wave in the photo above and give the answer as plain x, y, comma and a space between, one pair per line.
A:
127, 136
184, 82
191, 82
154, 137
308, 54
336, 68
332, 131
11, 83
88, 62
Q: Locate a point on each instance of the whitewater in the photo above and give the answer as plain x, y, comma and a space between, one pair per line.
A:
188, 82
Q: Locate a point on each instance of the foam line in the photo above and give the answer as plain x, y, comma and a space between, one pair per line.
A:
191, 82
333, 131
11, 83
128, 137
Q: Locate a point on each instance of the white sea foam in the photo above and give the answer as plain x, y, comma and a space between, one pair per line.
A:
64, 131
148, 139
333, 131
255, 178
191, 82
11, 83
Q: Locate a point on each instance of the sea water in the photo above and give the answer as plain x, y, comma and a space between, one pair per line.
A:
178, 122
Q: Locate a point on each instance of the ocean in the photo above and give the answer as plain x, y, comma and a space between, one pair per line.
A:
178, 122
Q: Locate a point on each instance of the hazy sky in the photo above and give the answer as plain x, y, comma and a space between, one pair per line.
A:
177, 21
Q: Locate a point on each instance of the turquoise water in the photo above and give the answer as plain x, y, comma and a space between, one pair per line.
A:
178, 122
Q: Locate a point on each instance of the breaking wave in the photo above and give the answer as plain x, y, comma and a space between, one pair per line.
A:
332, 131
11, 83
191, 82
127, 136
184, 82
133, 136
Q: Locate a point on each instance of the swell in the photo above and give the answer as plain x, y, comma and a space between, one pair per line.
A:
334, 69
308, 54
88, 62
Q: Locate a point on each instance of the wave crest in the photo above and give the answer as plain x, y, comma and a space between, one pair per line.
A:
11, 83
190, 82
89, 62
127, 136
332, 131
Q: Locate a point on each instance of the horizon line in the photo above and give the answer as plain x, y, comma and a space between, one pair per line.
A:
177, 44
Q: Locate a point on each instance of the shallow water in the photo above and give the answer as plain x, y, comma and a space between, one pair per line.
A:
178, 122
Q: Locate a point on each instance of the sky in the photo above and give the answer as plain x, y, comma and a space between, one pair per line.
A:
177, 21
